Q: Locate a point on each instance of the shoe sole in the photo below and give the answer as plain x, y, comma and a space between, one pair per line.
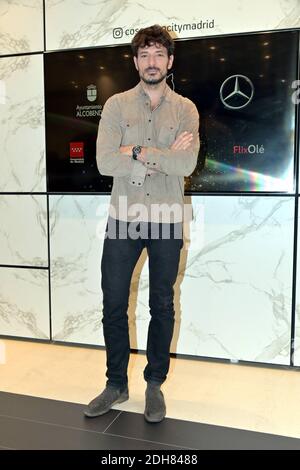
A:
121, 399
154, 420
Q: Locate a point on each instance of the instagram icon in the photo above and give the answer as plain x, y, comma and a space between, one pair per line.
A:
118, 33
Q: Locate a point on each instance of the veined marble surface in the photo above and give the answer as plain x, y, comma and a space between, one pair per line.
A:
85, 23
22, 124
297, 319
77, 226
21, 26
23, 230
24, 302
234, 288
236, 291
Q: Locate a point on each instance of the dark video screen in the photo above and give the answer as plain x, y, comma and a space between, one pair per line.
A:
241, 85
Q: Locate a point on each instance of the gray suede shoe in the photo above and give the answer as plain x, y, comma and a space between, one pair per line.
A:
105, 401
155, 409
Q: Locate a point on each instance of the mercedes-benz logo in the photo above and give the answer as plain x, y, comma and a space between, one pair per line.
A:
236, 91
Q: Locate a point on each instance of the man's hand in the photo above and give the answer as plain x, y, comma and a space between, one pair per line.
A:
183, 141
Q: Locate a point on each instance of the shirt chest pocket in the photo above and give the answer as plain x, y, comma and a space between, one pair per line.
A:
167, 134
130, 132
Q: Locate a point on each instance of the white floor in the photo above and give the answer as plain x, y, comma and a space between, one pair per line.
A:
246, 397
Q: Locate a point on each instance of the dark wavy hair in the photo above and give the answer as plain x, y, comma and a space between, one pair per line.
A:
152, 35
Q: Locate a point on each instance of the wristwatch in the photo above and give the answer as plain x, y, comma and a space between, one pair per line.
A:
136, 150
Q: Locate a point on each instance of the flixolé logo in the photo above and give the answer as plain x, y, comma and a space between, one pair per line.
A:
249, 149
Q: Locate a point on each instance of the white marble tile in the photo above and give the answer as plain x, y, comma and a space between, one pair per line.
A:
23, 230
24, 302
236, 290
22, 126
77, 225
21, 26
81, 23
233, 293
296, 357
296, 99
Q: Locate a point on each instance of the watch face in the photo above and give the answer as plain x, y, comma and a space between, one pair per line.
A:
137, 149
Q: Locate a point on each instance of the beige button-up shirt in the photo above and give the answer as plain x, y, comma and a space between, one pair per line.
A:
127, 119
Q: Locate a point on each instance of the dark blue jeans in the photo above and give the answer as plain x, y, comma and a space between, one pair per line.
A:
119, 258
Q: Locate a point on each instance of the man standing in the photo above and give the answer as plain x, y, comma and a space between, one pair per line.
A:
148, 141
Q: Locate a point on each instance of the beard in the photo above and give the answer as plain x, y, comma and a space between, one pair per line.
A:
153, 80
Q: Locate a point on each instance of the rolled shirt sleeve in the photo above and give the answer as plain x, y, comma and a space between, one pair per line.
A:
138, 173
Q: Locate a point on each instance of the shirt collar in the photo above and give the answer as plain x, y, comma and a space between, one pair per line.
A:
166, 96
